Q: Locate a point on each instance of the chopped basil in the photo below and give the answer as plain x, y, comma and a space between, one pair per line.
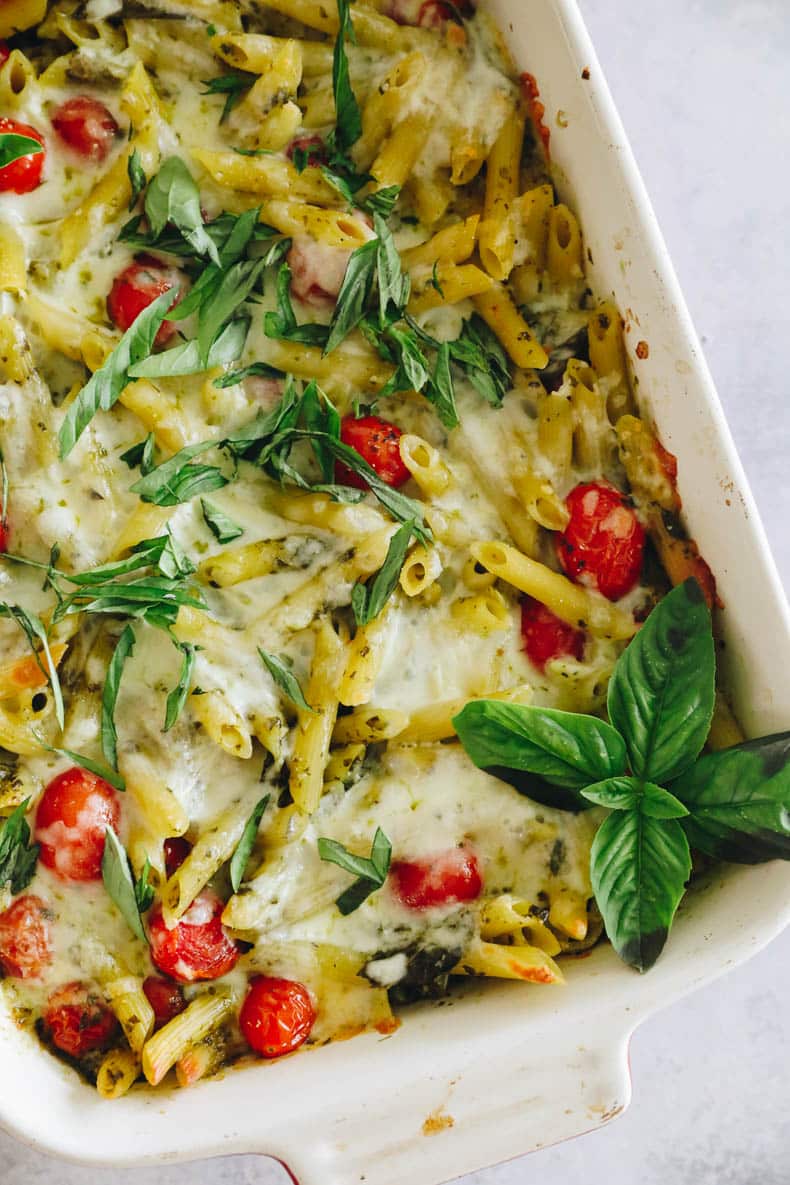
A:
3, 493
367, 600
109, 735
173, 197
232, 86
177, 697
18, 856
371, 871
245, 845
348, 128
119, 883
137, 177
187, 359
394, 283
284, 678
222, 528
179, 479
282, 324
143, 889
14, 147
111, 776
141, 455
261, 369
480, 355
354, 293
382, 201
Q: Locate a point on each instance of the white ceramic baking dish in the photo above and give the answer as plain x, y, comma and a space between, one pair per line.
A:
502, 1069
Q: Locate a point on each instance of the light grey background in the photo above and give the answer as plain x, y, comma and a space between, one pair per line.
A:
704, 90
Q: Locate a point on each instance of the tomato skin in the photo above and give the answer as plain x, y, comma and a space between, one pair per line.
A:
86, 126
376, 441
3, 537
545, 636
197, 947
176, 851
24, 174
314, 148
603, 544
5, 53
137, 286
430, 14
77, 1020
73, 815
166, 999
25, 942
443, 879
276, 1016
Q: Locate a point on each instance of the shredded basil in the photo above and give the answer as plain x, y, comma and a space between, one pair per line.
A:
112, 683
222, 528
367, 600
371, 871
14, 147
241, 856
18, 856
285, 679
178, 696
120, 885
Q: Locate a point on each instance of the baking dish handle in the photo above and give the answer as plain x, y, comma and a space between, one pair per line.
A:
433, 1130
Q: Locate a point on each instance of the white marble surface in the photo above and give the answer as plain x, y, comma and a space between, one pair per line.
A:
704, 89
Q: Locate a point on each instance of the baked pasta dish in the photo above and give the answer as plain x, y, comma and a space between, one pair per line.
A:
350, 639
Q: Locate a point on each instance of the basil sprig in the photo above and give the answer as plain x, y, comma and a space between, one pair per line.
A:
18, 856
733, 804
14, 147
371, 871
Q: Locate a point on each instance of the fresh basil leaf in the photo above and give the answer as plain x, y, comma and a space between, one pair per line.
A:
367, 600
111, 776
371, 870
33, 629
117, 877
394, 283
434, 280
103, 388
141, 455
234, 288
282, 324
412, 372
354, 294
661, 693
382, 201
137, 177
179, 479
639, 866
143, 889
624, 794
259, 152
109, 735
232, 86
565, 749
402, 508
222, 528
14, 147
3, 492
320, 415
187, 359
245, 845
255, 368
284, 679
172, 196
739, 800
441, 390
479, 354
178, 696
18, 856
349, 118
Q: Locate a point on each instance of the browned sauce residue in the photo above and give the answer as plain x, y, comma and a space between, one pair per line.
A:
642, 350
437, 1121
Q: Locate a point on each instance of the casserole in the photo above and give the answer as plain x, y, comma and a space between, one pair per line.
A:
689, 434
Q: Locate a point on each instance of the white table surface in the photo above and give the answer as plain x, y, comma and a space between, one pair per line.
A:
704, 90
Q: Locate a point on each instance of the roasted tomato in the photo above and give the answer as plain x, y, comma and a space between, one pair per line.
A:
86, 126
276, 1016
3, 537
137, 286
72, 818
176, 851
309, 149
425, 14
166, 999
25, 945
77, 1020
443, 879
603, 544
23, 174
376, 441
5, 53
546, 636
197, 947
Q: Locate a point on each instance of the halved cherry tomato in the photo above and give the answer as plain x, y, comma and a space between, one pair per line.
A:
176, 851
313, 148
276, 1016
5, 53
443, 879
87, 126
24, 173
72, 818
137, 286
603, 544
3, 537
166, 999
77, 1020
197, 947
376, 441
25, 946
546, 636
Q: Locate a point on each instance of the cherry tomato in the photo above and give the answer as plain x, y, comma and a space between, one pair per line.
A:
25, 946
137, 286
317, 270
376, 441
546, 636
443, 879
313, 148
23, 174
78, 1020
73, 815
166, 999
197, 947
3, 537
425, 14
603, 544
5, 53
87, 126
176, 851
276, 1016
